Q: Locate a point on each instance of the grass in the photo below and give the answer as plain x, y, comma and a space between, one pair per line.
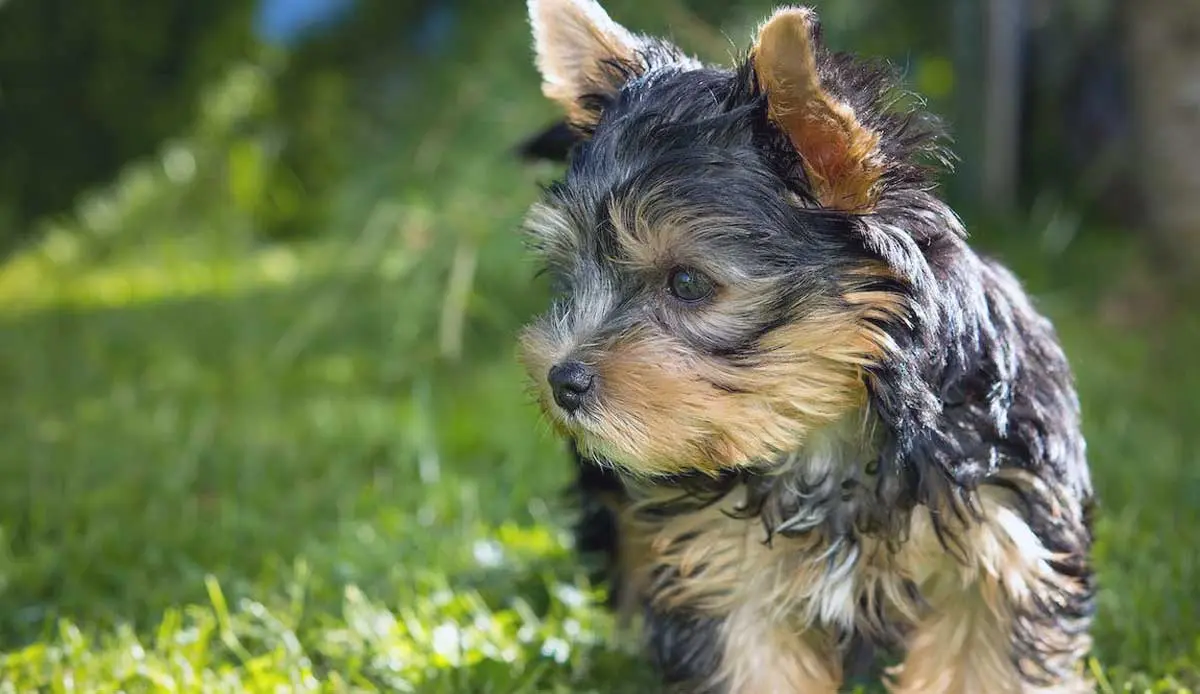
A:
230, 467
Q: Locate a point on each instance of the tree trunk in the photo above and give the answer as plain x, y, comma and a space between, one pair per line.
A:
1163, 46
1002, 104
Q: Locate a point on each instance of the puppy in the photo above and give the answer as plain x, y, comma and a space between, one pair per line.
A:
805, 413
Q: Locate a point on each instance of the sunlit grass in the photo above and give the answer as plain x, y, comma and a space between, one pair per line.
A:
25, 289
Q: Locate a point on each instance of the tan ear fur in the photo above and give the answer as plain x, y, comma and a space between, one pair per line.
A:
576, 43
841, 156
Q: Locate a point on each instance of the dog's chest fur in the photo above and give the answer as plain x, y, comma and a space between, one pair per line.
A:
808, 546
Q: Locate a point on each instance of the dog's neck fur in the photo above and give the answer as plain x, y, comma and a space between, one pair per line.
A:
825, 486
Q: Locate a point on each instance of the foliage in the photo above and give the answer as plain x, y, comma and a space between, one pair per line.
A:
85, 89
88, 86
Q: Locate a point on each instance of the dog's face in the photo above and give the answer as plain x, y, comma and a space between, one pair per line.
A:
718, 299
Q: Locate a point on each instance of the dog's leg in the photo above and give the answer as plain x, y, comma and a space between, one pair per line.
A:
743, 653
1013, 618
727, 611
761, 656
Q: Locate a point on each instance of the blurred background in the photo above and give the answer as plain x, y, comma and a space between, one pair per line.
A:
261, 426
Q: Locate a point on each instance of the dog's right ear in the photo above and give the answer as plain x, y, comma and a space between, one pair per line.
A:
583, 55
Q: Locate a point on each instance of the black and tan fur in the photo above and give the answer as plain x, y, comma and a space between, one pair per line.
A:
863, 433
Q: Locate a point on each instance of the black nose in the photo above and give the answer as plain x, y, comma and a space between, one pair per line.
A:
571, 382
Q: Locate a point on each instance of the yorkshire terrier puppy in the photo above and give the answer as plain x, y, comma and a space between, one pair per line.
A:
805, 412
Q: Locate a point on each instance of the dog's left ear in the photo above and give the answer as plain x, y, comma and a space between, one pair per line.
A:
581, 53
841, 156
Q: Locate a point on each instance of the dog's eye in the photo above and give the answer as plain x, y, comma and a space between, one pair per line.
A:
689, 285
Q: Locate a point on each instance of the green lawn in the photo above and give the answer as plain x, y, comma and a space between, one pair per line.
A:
229, 467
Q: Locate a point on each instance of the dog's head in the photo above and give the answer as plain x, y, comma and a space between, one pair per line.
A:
730, 246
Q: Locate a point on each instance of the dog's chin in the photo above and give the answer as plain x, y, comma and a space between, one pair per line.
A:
593, 445
631, 464
604, 453
596, 440
590, 443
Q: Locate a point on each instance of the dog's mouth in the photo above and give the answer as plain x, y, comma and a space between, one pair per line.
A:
579, 424
585, 427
